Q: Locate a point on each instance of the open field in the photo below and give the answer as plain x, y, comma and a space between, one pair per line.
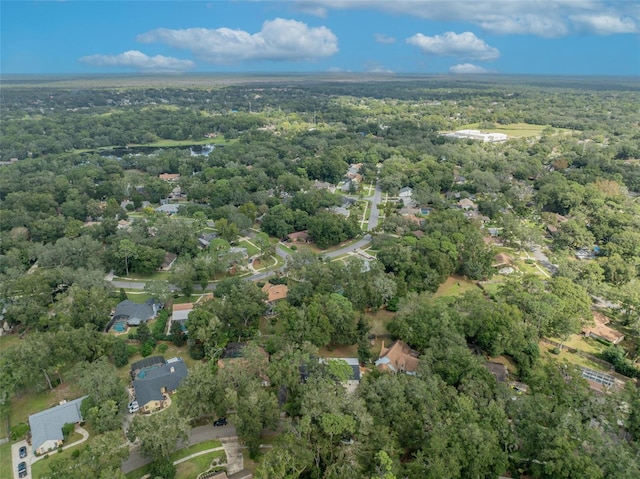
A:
455, 286
514, 129
571, 358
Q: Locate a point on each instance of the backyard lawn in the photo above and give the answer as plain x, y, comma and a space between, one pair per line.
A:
22, 407
455, 286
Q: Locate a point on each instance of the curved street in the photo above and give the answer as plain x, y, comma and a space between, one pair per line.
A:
362, 243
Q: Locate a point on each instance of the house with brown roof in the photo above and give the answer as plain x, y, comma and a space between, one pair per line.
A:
169, 176
398, 358
299, 237
602, 331
466, 204
275, 292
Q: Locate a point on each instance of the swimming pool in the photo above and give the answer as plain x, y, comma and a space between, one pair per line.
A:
120, 326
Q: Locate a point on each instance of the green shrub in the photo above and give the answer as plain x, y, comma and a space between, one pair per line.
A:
147, 348
162, 468
162, 348
67, 429
19, 431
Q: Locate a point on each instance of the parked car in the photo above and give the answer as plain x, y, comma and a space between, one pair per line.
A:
23, 452
133, 407
22, 469
222, 421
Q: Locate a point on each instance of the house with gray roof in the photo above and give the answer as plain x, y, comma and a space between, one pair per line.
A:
154, 384
46, 426
136, 313
168, 208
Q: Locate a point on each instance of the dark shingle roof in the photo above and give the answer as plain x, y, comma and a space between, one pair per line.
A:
168, 376
146, 362
143, 312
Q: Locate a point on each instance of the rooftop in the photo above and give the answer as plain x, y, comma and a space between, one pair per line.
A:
398, 358
47, 425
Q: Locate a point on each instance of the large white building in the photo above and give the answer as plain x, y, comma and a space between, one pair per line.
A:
477, 135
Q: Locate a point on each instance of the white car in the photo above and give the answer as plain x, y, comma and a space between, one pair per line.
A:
133, 407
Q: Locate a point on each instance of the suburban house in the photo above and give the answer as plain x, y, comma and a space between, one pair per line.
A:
602, 331
136, 313
154, 383
169, 259
498, 370
323, 185
398, 358
353, 173
299, 237
352, 383
405, 194
46, 426
169, 176
180, 314
466, 204
168, 208
205, 239
275, 292
239, 250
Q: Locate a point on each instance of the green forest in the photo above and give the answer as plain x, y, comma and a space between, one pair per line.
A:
509, 271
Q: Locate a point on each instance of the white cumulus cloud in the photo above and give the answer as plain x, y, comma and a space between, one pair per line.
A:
605, 24
139, 61
279, 40
544, 18
384, 39
468, 68
451, 44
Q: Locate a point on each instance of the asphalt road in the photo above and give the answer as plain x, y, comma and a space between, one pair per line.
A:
198, 434
374, 217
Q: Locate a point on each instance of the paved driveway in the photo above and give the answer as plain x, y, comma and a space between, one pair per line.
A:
15, 458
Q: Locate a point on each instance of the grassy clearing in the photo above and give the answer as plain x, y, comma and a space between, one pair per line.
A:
5, 464
378, 321
514, 129
350, 351
8, 341
455, 286
251, 248
286, 248
187, 451
579, 342
571, 358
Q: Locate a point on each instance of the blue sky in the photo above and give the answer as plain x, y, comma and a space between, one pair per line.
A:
565, 37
